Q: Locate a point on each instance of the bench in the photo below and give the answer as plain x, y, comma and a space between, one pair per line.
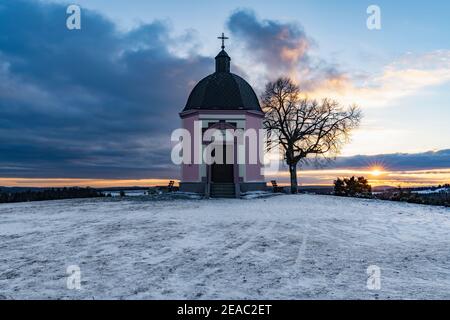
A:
170, 186
276, 188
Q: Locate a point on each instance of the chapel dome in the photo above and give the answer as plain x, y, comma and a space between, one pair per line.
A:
223, 90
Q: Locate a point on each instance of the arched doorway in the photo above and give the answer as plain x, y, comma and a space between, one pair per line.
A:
226, 171
223, 172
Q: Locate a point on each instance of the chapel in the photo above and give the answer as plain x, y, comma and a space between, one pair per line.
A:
223, 101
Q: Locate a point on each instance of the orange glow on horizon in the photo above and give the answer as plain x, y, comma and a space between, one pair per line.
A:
376, 171
94, 183
377, 176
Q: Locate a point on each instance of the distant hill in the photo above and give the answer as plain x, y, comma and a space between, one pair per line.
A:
20, 189
25, 189
11, 195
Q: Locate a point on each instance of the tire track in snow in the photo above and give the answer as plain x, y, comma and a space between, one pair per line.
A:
302, 249
255, 231
250, 240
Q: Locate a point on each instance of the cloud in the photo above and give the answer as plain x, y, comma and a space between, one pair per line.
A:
275, 48
280, 46
431, 160
407, 76
282, 49
398, 161
406, 169
412, 178
100, 103
95, 103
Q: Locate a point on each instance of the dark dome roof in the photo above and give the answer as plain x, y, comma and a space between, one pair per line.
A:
223, 90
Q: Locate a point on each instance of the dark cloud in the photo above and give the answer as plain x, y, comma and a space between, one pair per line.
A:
284, 49
277, 44
93, 103
391, 162
100, 103
398, 161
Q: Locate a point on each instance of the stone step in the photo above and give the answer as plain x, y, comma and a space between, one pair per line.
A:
223, 196
222, 190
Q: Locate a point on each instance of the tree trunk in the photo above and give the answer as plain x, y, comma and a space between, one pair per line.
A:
293, 172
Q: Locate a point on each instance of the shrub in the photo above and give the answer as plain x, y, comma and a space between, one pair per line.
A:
353, 187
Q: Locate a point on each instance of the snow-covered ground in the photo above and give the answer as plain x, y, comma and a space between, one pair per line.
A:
285, 247
429, 191
128, 193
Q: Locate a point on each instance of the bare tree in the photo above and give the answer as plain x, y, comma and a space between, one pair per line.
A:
307, 130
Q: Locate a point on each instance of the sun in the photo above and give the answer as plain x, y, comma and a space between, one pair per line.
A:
376, 172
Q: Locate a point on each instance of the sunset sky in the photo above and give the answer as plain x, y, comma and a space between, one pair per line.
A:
97, 106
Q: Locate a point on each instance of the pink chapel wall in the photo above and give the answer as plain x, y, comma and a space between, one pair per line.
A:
253, 171
190, 172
